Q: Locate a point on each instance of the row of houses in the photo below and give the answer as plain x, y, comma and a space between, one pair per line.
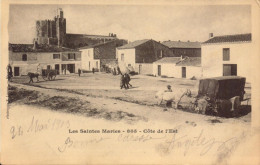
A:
227, 55
140, 55
218, 56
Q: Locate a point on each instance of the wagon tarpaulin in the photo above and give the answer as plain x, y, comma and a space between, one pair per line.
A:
222, 87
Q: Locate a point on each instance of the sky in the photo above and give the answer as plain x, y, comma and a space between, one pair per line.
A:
134, 22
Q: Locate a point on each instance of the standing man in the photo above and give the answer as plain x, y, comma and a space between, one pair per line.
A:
122, 81
169, 102
9, 72
93, 70
79, 72
127, 80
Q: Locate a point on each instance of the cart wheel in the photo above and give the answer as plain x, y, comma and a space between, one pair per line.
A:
53, 77
48, 76
44, 78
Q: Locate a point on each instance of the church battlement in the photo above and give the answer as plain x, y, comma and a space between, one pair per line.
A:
53, 32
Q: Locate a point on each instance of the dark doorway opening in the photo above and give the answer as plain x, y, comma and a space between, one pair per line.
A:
16, 71
71, 68
183, 71
229, 69
140, 69
159, 70
57, 68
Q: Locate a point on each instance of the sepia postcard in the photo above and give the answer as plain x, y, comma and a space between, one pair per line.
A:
130, 82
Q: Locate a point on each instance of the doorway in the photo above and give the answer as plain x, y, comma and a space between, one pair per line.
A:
71, 68
140, 69
16, 71
183, 71
229, 69
159, 70
57, 68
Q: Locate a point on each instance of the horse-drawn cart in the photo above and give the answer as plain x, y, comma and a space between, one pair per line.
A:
46, 74
49, 74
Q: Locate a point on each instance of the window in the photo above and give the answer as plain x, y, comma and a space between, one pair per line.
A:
226, 54
56, 56
71, 56
96, 64
122, 57
129, 64
24, 57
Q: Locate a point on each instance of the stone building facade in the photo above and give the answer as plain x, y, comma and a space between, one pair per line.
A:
53, 32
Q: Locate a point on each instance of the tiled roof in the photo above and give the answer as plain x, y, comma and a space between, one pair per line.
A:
189, 61
230, 38
70, 35
181, 44
133, 44
168, 60
40, 48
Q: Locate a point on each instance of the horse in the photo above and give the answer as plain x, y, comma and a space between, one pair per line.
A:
172, 96
33, 75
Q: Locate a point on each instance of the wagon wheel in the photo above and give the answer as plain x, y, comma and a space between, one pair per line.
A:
54, 76
45, 77
48, 76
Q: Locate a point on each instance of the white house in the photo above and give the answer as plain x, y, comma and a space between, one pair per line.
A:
189, 67
227, 55
141, 54
166, 66
99, 56
26, 58
87, 59
178, 67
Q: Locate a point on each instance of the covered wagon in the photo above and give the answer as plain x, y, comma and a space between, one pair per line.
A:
223, 95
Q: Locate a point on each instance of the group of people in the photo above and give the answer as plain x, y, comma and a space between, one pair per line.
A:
124, 81
80, 71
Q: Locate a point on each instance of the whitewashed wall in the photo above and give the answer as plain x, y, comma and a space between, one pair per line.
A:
190, 71
129, 57
87, 60
240, 54
146, 68
171, 70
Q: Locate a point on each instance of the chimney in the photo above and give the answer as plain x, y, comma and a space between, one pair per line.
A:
210, 35
181, 57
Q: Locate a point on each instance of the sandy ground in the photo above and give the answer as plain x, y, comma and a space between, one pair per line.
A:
96, 102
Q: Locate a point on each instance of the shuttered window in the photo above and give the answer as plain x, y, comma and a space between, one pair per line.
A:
122, 57
24, 57
71, 56
56, 56
226, 54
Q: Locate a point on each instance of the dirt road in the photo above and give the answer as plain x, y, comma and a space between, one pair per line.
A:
53, 124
